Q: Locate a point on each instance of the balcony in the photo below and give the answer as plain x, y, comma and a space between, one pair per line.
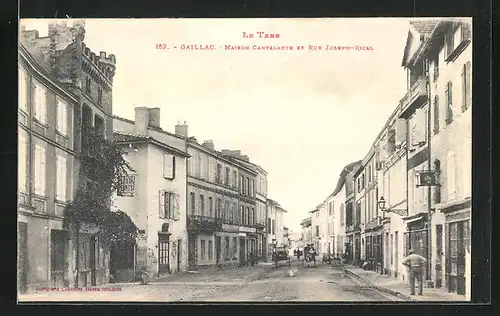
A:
203, 224
414, 98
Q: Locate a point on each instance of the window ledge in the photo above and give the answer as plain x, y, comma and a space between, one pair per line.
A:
39, 123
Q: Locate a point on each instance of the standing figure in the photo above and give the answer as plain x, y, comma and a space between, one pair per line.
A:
415, 264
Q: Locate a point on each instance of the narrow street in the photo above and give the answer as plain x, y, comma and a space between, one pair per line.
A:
320, 283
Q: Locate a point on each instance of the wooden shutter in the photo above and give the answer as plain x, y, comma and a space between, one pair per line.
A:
23, 97
161, 208
168, 166
464, 88
400, 131
22, 158
176, 208
468, 84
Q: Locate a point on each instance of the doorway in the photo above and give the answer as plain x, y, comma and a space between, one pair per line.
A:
192, 252
93, 277
58, 255
217, 249
439, 256
163, 253
179, 253
242, 251
22, 257
456, 262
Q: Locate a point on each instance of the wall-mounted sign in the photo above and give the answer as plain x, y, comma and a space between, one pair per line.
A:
247, 229
426, 178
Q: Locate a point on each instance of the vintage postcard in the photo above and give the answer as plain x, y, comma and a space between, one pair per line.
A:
245, 160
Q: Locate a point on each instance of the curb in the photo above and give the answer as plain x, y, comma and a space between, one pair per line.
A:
379, 288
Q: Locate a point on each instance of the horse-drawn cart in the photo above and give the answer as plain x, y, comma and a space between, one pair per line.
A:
281, 254
309, 255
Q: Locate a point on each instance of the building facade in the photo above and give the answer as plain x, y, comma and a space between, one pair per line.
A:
353, 217
153, 195
58, 103
306, 231
223, 220
447, 57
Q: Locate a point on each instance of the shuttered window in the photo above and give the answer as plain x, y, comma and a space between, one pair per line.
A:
62, 117
169, 205
23, 90
466, 86
22, 161
449, 103
61, 177
40, 170
436, 114
168, 166
40, 103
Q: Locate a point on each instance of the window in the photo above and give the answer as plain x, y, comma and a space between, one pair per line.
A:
466, 86
202, 205
226, 180
268, 225
227, 211
332, 206
87, 85
22, 161
226, 249
273, 224
450, 175
449, 38
193, 203
62, 117
210, 207
436, 68
169, 205
218, 209
203, 249
235, 178
61, 179
449, 103
218, 175
40, 103
235, 246
210, 250
126, 185
436, 114
169, 166
317, 230
99, 96
23, 90
40, 170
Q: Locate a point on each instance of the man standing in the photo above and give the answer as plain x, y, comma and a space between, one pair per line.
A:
415, 263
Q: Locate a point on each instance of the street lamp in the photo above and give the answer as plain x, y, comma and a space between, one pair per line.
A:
381, 204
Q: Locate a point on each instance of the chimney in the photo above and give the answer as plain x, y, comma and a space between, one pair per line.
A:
181, 129
141, 120
225, 152
245, 158
154, 117
209, 144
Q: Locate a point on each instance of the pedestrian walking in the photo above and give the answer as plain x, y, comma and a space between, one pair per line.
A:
415, 264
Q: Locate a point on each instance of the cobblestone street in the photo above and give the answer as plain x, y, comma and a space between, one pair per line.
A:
259, 283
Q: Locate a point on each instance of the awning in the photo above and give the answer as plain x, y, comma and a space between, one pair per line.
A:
242, 234
413, 220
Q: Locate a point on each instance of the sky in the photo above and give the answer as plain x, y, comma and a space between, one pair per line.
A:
301, 114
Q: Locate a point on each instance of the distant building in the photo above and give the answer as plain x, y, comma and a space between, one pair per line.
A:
306, 231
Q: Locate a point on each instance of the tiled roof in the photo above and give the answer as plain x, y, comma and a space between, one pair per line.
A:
120, 137
424, 27
343, 175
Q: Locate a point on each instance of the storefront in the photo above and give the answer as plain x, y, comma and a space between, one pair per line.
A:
416, 235
457, 247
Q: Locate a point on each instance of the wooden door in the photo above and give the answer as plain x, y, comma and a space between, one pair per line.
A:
22, 258
163, 253
58, 256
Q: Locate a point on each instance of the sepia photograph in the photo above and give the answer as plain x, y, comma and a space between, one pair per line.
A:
245, 160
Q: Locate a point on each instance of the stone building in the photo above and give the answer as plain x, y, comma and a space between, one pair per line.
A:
65, 89
224, 224
443, 94
153, 195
